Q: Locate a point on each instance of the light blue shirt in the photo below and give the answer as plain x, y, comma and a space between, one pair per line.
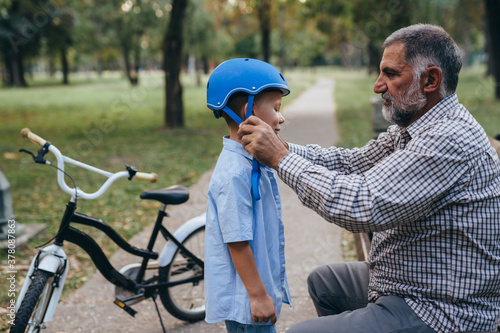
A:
233, 216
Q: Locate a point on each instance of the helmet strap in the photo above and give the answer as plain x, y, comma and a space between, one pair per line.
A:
250, 106
255, 164
233, 115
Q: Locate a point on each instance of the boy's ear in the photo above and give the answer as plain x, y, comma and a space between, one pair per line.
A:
243, 111
432, 79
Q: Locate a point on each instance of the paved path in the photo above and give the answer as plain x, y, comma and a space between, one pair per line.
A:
310, 241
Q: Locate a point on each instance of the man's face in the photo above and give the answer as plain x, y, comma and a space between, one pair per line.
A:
401, 91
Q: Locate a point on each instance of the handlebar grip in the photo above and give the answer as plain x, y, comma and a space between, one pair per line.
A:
152, 177
27, 134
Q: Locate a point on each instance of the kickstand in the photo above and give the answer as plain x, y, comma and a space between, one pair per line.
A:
159, 315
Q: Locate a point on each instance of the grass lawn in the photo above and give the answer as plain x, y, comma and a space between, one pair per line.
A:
106, 123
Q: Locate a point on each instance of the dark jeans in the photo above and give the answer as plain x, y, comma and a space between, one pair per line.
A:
340, 294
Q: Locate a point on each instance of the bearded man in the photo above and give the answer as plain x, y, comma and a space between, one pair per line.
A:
428, 189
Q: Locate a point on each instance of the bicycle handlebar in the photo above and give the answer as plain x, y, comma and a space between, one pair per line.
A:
151, 177
61, 159
28, 134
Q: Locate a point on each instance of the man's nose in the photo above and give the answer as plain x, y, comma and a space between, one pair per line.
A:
379, 87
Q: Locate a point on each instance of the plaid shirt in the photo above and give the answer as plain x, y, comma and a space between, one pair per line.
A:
431, 195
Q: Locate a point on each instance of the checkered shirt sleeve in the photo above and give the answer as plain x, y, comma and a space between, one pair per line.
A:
431, 195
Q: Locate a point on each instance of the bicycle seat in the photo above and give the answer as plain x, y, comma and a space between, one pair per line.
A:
173, 195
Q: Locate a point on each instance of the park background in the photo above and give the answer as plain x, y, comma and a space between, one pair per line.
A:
120, 82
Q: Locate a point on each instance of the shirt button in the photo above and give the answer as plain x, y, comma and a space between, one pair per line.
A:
283, 265
277, 197
282, 243
271, 178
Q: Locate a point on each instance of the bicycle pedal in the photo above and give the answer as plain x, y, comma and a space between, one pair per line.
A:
125, 307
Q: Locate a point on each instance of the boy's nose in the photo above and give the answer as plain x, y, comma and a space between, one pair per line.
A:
281, 118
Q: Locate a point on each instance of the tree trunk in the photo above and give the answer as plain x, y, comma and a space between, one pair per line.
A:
281, 22
172, 62
466, 46
374, 58
487, 48
129, 71
15, 69
492, 9
65, 66
137, 62
265, 27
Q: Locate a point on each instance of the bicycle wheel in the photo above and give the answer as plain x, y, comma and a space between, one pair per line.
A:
185, 301
32, 310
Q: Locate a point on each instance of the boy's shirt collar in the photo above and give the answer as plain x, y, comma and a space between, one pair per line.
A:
236, 147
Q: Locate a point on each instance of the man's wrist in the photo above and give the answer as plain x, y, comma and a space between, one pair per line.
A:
279, 157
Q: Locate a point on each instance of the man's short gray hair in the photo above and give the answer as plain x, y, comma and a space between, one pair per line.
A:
430, 45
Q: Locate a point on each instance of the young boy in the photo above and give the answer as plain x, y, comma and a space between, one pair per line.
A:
245, 277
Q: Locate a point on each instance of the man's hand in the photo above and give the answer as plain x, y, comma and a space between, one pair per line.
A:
260, 140
262, 309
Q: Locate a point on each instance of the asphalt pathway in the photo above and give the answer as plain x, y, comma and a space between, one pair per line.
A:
310, 241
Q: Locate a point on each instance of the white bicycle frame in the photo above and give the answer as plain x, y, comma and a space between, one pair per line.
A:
53, 258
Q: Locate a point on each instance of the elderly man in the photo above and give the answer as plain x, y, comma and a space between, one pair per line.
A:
429, 190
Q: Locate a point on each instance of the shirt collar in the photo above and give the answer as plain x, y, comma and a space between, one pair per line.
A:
437, 112
235, 147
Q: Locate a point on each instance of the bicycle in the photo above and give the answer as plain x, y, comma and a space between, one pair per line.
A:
175, 274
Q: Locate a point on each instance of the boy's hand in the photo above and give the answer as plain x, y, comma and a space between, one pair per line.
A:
260, 140
261, 304
262, 309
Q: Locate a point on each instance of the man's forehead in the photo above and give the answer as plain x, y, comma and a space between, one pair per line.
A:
394, 57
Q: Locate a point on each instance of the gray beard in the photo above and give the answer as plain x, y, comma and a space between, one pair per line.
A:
404, 110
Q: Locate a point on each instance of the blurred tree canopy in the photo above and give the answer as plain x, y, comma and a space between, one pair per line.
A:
131, 35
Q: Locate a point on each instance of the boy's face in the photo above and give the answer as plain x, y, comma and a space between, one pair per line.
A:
267, 108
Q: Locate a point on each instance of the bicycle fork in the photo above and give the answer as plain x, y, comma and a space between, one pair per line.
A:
51, 259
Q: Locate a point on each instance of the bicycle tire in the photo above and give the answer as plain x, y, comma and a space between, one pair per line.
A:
34, 305
186, 301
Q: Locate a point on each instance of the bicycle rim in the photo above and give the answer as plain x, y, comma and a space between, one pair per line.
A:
185, 301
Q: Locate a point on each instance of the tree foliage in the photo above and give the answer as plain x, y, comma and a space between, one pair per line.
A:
130, 35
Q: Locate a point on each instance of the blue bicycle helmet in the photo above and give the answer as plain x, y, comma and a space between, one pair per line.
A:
242, 75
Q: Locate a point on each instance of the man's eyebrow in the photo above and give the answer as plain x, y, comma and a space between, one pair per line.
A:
390, 70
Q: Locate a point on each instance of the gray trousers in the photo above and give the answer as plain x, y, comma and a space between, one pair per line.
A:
340, 294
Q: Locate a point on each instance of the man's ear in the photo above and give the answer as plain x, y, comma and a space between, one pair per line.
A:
432, 79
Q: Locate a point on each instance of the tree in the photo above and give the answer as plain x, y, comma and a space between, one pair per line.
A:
59, 36
20, 37
264, 13
172, 62
375, 20
492, 8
